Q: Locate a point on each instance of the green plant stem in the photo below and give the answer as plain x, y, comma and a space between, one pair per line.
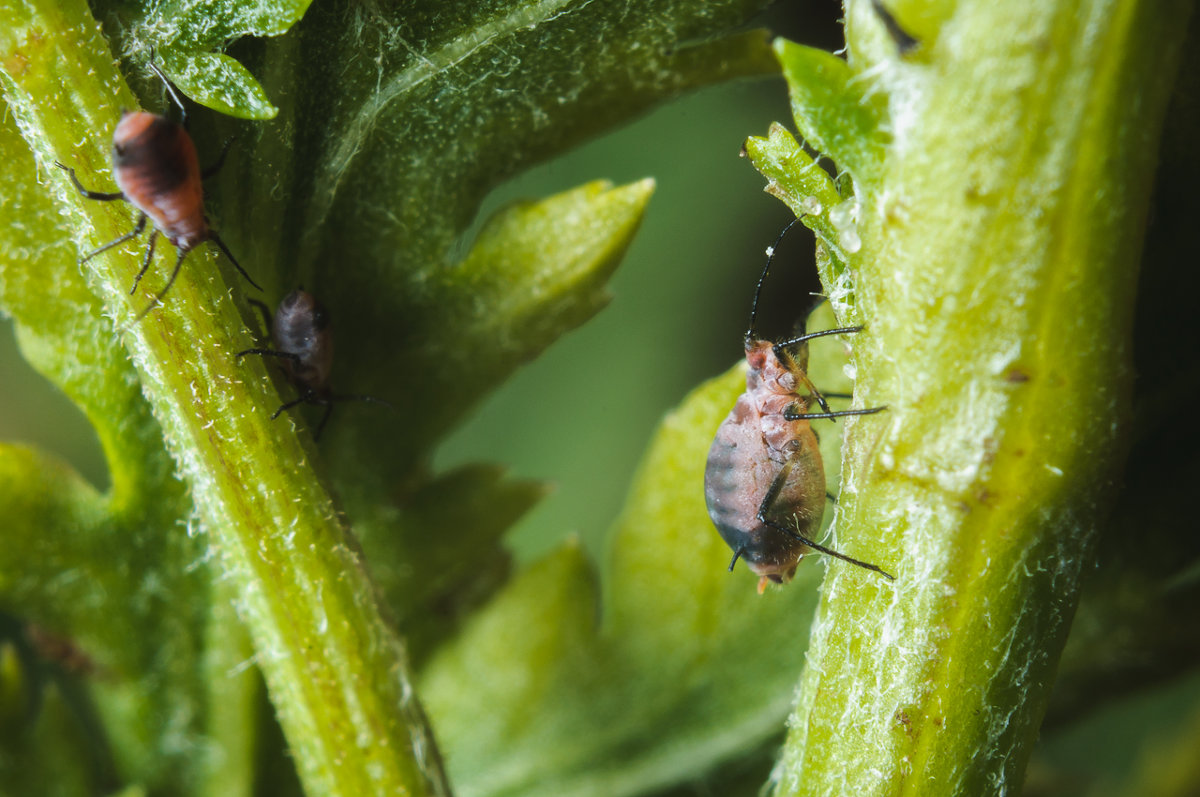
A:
996, 279
335, 670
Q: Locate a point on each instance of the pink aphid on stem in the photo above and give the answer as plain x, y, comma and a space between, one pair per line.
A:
764, 481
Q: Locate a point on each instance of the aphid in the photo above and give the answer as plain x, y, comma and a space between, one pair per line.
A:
764, 481
156, 168
303, 340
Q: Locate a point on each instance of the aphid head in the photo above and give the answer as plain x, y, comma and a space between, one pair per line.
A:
302, 306
769, 556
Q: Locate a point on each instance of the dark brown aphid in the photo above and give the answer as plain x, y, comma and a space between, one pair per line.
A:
303, 340
156, 168
764, 481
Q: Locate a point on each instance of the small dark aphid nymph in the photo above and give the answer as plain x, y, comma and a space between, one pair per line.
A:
156, 168
303, 340
764, 482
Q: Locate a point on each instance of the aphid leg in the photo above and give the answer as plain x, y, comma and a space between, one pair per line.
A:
212, 236
287, 355
831, 497
266, 317
158, 296
305, 398
134, 233
170, 90
813, 391
99, 195
769, 500
216, 167
146, 262
905, 41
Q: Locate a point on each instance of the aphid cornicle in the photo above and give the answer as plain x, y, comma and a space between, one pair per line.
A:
303, 338
156, 168
764, 481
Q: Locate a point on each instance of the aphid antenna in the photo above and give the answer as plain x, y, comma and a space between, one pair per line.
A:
814, 416
170, 90
783, 344
762, 278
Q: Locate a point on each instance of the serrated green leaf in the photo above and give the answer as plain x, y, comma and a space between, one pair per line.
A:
473, 506
182, 36
687, 666
834, 109
800, 183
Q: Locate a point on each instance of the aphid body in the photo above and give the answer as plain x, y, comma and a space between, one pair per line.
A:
758, 452
301, 328
156, 167
303, 338
764, 481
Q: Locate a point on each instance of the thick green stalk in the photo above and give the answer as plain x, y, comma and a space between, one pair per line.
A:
336, 671
1000, 236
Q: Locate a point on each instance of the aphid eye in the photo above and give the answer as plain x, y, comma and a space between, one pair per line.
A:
320, 319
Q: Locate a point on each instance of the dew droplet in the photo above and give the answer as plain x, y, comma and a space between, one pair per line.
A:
843, 214
811, 206
849, 240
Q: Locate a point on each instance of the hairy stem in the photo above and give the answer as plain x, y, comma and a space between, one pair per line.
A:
1000, 237
335, 670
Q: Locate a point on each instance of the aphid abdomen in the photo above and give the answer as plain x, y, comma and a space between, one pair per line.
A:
738, 476
155, 166
733, 483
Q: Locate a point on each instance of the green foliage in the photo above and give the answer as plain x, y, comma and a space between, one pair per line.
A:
391, 128
987, 234
679, 666
983, 224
